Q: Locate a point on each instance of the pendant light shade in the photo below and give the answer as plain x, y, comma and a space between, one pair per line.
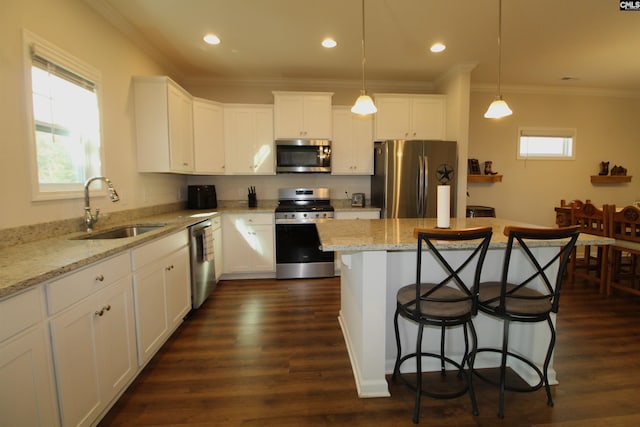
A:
364, 104
498, 108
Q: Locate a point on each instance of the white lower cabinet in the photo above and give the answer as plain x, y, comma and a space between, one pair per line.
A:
27, 389
93, 341
162, 290
249, 243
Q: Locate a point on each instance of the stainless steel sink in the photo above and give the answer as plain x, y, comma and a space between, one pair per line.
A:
120, 232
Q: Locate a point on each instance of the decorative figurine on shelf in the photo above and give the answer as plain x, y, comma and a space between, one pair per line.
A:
473, 167
604, 168
488, 168
618, 171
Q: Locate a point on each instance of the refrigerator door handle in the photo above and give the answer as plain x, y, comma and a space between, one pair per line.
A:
425, 185
419, 187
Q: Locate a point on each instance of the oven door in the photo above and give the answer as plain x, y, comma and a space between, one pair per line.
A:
298, 253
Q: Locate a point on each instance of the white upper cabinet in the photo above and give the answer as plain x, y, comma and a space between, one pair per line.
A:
248, 137
352, 145
410, 117
208, 137
164, 125
302, 115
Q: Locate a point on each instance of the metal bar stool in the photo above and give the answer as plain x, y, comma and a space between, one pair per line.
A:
530, 300
444, 302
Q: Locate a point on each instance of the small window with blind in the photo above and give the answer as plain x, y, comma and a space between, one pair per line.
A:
546, 143
65, 138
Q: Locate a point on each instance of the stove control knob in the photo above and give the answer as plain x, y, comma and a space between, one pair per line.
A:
304, 215
317, 215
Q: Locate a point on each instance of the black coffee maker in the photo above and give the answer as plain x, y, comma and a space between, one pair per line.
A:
202, 197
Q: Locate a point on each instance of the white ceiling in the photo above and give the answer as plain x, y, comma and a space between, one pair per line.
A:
543, 41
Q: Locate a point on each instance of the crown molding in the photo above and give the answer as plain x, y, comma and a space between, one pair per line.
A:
555, 90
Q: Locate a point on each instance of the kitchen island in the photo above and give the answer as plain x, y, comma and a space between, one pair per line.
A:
378, 257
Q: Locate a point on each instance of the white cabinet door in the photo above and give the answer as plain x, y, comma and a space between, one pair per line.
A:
180, 129
352, 145
248, 139
428, 117
151, 315
410, 117
208, 137
26, 384
164, 125
94, 351
27, 389
178, 276
162, 290
249, 243
302, 115
393, 119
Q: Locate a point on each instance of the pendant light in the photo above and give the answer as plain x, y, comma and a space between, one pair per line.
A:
364, 104
498, 108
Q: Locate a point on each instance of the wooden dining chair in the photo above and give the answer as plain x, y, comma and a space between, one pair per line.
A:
591, 266
623, 270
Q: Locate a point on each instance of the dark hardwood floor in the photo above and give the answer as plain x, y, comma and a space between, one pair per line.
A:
271, 353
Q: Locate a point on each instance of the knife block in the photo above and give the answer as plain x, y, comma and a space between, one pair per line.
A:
253, 200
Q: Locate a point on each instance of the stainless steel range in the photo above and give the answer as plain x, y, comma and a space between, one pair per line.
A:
298, 253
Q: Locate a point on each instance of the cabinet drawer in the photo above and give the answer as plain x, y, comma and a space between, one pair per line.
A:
252, 219
19, 312
78, 285
159, 248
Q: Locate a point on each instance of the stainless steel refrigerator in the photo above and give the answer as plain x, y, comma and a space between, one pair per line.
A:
406, 176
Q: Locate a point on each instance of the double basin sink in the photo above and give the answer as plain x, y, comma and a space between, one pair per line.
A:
120, 232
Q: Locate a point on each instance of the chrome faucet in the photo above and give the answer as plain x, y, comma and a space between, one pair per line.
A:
89, 218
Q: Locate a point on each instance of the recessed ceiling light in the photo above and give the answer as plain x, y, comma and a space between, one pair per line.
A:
329, 43
437, 47
211, 39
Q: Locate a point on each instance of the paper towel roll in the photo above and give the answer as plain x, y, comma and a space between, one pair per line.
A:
443, 206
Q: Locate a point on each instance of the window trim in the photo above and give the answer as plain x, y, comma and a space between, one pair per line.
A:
550, 132
87, 75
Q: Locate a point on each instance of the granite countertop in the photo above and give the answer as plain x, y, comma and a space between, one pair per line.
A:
397, 234
29, 264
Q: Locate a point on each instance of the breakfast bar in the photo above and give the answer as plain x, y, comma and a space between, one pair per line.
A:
377, 257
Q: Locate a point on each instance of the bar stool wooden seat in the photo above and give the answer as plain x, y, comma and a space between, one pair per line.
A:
531, 300
446, 300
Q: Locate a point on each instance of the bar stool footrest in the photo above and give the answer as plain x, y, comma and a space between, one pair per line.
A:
459, 373
507, 386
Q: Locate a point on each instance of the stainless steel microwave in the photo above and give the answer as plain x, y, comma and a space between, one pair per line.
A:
303, 155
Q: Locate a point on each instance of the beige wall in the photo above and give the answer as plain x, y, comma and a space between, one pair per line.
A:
608, 129
607, 126
74, 27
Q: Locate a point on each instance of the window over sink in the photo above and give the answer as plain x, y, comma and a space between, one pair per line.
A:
63, 93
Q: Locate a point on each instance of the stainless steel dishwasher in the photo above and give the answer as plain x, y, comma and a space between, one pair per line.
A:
203, 270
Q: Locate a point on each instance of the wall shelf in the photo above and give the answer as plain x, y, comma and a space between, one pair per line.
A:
484, 178
607, 179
